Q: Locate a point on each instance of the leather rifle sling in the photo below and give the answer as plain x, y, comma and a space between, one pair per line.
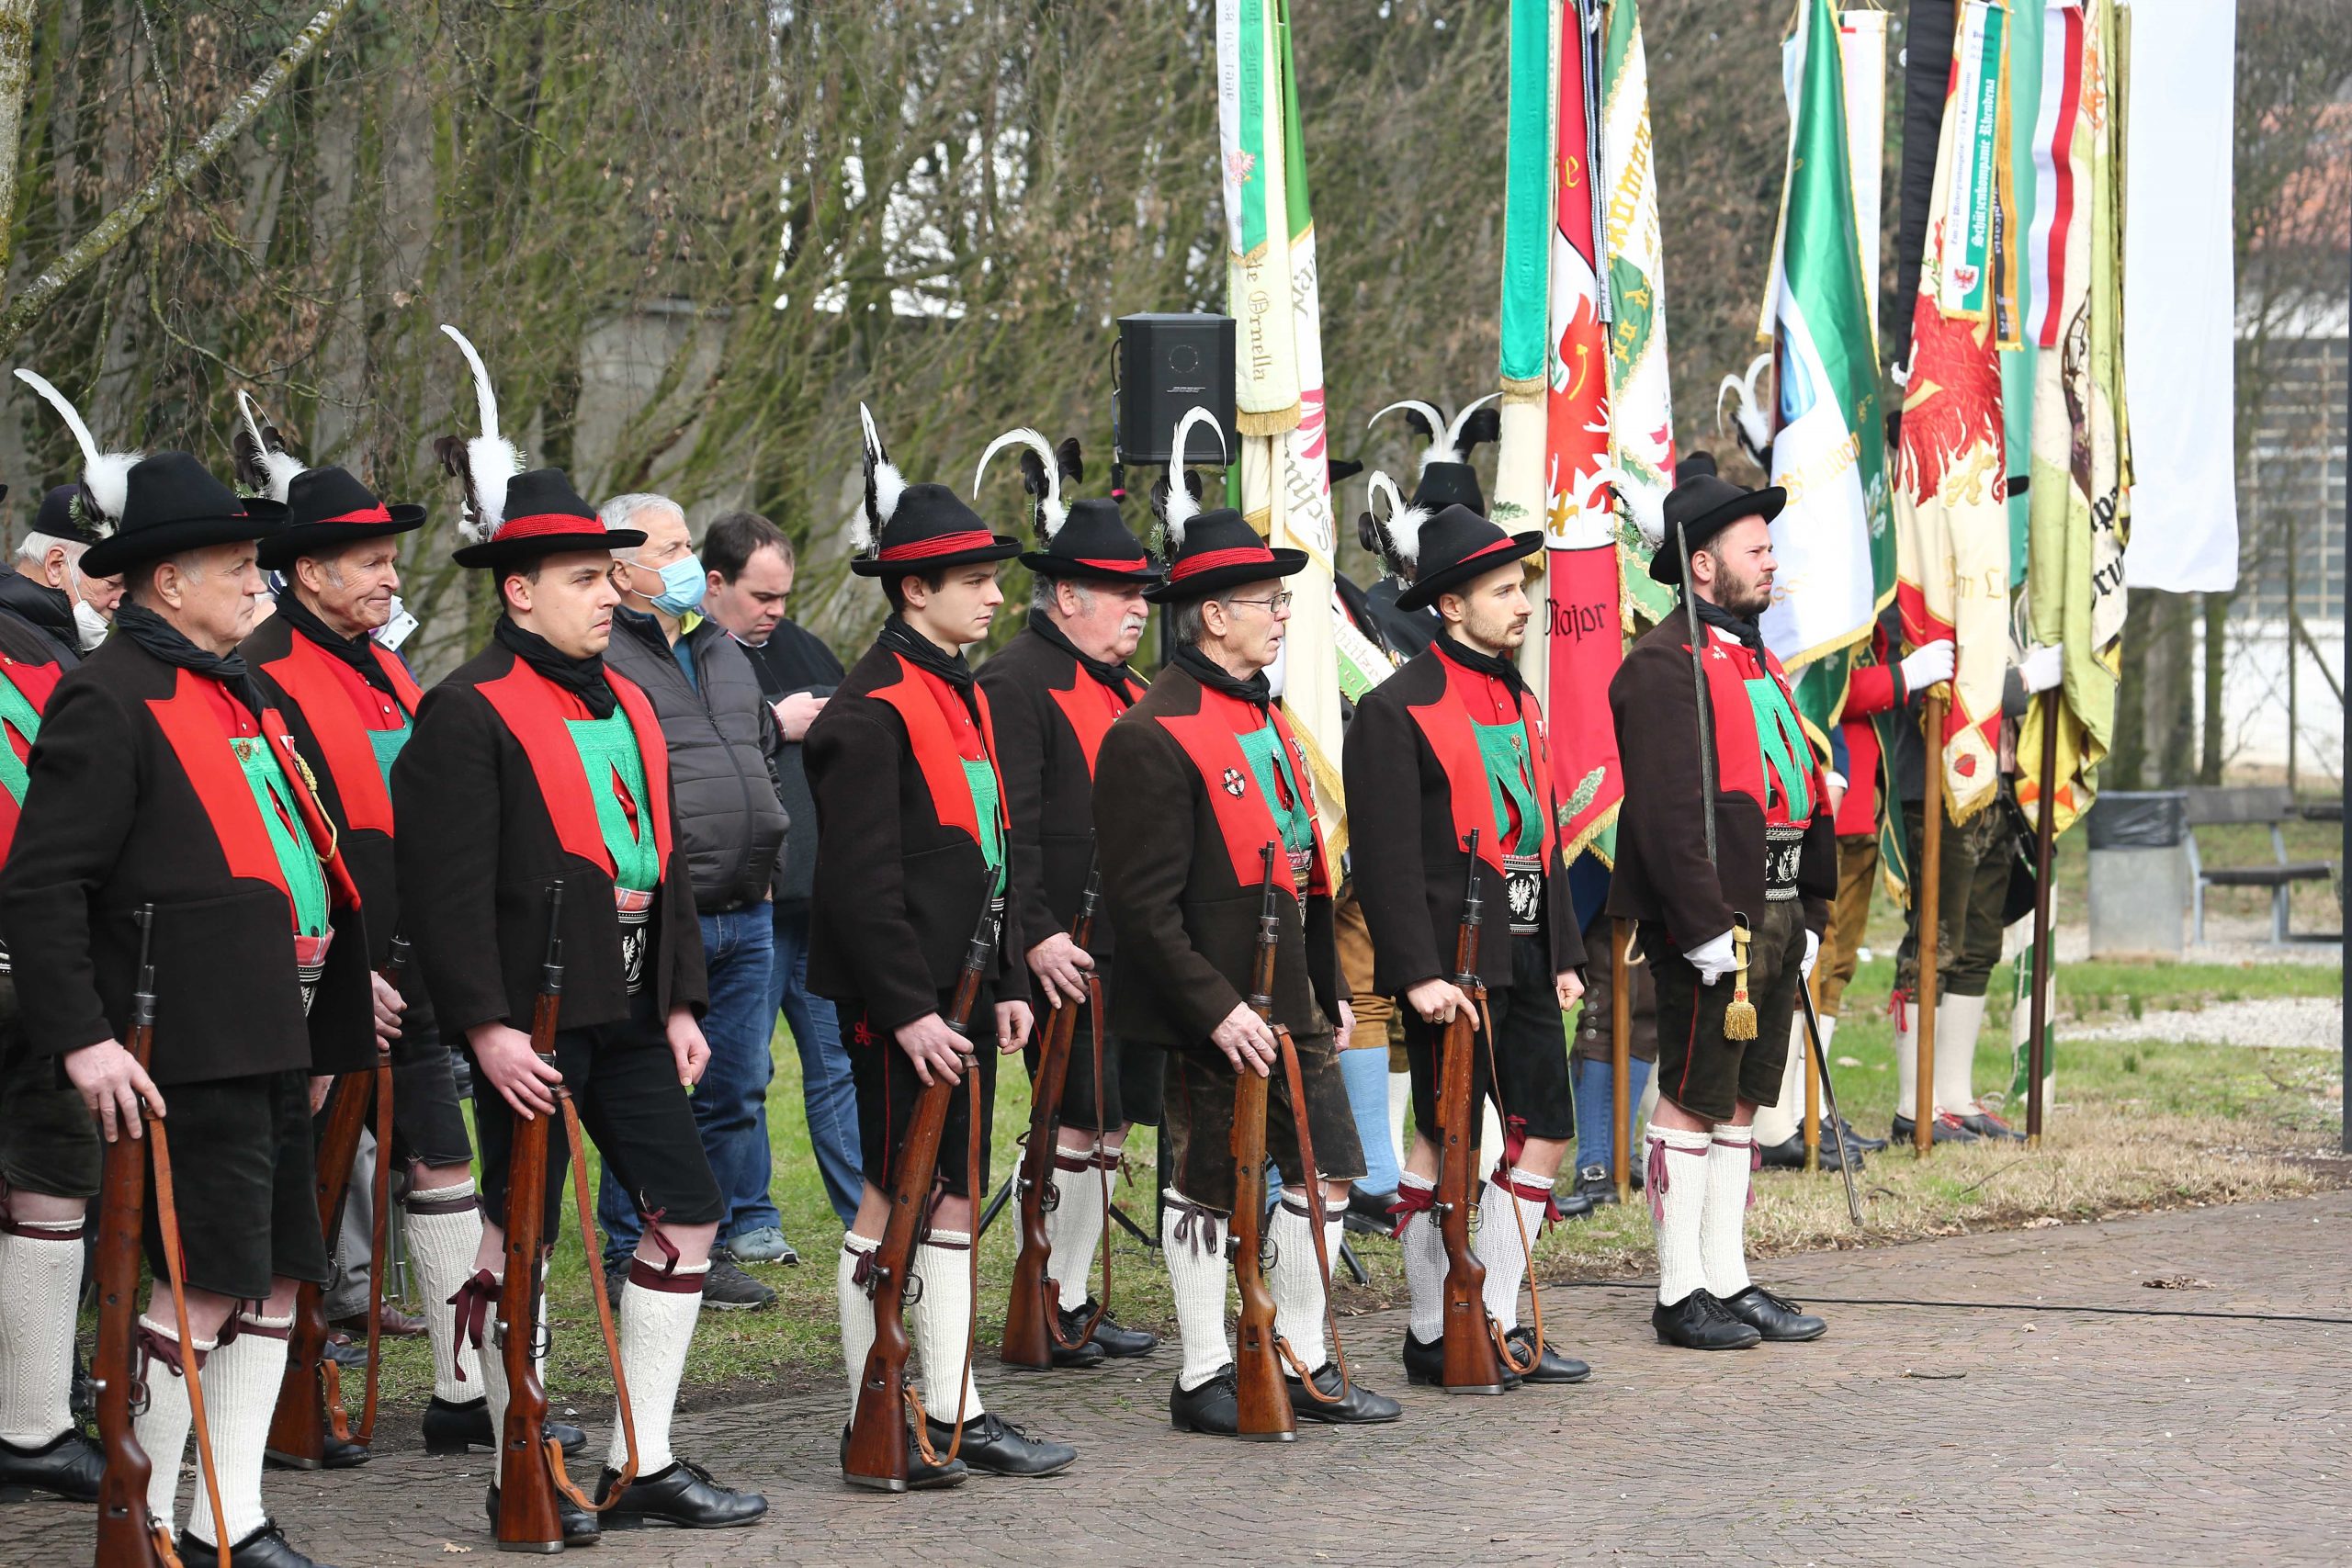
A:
585, 1204
168, 1221
1101, 1177
1295, 1081
379, 1242
1526, 1242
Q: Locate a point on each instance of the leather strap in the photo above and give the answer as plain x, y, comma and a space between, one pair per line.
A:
1102, 1301
1295, 1081
585, 1206
167, 1220
1526, 1242
378, 1253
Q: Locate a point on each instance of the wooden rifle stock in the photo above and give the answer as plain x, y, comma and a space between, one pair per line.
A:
310, 1402
1470, 1363
876, 1455
1263, 1400
528, 1517
128, 1537
1031, 1331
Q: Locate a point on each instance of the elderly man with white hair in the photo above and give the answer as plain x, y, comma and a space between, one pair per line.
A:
723, 744
49, 591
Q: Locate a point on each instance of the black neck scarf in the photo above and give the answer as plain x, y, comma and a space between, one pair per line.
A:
1111, 672
163, 641
584, 678
923, 653
354, 652
1494, 666
1739, 627
1217, 678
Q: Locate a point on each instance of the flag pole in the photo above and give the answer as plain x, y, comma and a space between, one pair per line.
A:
2044, 970
1813, 1070
1621, 1053
1925, 903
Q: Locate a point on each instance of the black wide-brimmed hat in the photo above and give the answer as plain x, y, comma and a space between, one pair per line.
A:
1443, 552
326, 508
1209, 552
1087, 538
511, 517
1700, 507
60, 518
136, 508
907, 530
1447, 478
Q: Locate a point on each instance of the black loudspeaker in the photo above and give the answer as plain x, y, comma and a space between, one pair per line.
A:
1168, 364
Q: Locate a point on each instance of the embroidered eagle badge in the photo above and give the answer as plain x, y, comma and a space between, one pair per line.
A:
1233, 785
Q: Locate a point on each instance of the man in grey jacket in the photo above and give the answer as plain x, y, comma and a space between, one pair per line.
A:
723, 744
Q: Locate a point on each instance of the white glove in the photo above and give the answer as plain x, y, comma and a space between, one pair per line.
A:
1927, 664
1714, 960
2043, 667
1812, 952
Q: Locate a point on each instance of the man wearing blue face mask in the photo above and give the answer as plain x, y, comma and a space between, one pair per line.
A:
723, 745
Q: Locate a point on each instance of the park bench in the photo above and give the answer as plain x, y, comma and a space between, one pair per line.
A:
2249, 805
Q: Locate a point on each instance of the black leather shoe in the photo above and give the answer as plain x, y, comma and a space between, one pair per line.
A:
1550, 1366
921, 1476
1118, 1341
580, 1527
1948, 1130
1425, 1364
1213, 1409
69, 1466
1368, 1211
681, 1494
1790, 1155
1984, 1124
1595, 1186
1775, 1317
265, 1547
1085, 1353
994, 1445
1571, 1205
452, 1428
336, 1455
346, 1352
1699, 1321
1358, 1408
1853, 1137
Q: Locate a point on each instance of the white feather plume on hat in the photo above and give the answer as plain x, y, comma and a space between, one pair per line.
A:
105, 476
484, 462
1052, 512
884, 486
1445, 434
1401, 528
1182, 505
262, 456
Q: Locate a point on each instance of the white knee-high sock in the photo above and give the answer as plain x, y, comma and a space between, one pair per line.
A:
856, 1310
41, 1275
1497, 1243
1192, 1241
1400, 1095
496, 1393
1074, 1224
1297, 1282
657, 1329
163, 1427
1677, 1182
1424, 1263
1907, 1060
444, 1233
1723, 1229
1779, 1123
942, 1324
1959, 1021
240, 1383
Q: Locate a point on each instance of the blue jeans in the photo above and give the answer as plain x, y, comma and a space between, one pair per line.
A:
1596, 1100
731, 1102
827, 1091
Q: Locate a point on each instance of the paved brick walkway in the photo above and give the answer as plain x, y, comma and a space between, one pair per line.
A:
1910, 1434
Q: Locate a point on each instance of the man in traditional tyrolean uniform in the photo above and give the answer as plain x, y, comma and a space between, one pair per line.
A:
1726, 856
1453, 745
1053, 691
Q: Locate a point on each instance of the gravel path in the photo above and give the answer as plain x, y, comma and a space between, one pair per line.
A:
2299, 1022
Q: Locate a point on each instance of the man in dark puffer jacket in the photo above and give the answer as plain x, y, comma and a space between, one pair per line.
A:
723, 743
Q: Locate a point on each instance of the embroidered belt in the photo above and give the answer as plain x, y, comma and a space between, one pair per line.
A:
634, 908
1524, 888
310, 963
1783, 848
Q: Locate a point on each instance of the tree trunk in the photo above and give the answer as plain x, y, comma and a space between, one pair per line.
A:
2217, 624
15, 69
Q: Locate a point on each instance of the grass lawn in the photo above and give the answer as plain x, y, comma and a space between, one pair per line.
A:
2135, 1124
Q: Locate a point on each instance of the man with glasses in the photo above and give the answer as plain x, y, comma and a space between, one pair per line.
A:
1189, 787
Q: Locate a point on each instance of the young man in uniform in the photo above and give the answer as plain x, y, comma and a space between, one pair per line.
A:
1189, 787
910, 835
1053, 690
1455, 744
534, 764
163, 780
350, 704
1730, 918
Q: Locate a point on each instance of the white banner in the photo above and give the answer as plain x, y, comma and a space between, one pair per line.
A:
2179, 297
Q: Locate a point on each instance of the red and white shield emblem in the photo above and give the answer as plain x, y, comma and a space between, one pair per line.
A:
1233, 785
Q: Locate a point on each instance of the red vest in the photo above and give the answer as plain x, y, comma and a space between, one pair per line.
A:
340, 708
943, 737
1471, 697
1742, 746
1210, 741
1090, 707
536, 712
34, 683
